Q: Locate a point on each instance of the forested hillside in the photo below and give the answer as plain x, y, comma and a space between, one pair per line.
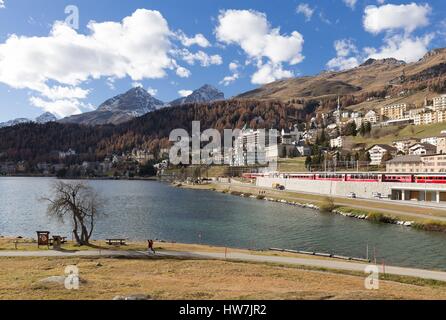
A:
36, 143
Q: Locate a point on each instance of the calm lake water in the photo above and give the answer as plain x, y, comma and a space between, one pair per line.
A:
141, 210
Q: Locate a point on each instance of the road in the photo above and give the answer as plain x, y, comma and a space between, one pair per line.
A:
237, 256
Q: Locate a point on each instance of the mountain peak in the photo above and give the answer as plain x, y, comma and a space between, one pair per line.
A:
433, 53
206, 93
385, 61
46, 117
136, 101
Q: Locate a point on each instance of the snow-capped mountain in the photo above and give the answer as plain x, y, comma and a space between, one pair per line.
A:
43, 118
14, 122
124, 107
206, 93
135, 102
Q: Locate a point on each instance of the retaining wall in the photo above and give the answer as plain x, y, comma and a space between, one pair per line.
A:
342, 188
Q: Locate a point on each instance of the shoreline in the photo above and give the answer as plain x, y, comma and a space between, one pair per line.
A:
83, 178
375, 216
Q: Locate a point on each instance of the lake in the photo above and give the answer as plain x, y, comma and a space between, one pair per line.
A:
141, 210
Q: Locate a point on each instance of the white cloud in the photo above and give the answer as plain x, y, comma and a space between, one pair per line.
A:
203, 58
234, 68
2, 4
59, 92
152, 91
269, 72
111, 83
306, 10
252, 32
185, 93
344, 60
183, 72
60, 108
342, 63
137, 85
323, 18
198, 39
345, 47
401, 47
66, 59
350, 3
398, 22
390, 17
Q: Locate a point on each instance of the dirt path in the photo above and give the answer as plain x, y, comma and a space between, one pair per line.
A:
238, 256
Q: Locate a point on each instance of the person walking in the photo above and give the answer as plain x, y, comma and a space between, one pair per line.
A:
150, 246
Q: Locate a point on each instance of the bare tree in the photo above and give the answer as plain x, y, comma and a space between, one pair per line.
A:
80, 203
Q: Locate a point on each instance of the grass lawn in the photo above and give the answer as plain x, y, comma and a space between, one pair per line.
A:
387, 135
103, 278
292, 165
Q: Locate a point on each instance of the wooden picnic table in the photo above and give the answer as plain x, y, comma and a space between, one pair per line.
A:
121, 242
63, 240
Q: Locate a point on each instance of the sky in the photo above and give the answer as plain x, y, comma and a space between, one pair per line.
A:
67, 57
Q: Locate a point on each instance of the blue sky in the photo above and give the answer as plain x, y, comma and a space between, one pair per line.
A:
233, 45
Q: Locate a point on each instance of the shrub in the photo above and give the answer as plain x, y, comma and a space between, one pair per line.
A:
260, 197
379, 217
431, 226
328, 205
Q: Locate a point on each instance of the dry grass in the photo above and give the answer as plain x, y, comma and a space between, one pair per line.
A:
292, 165
389, 134
192, 279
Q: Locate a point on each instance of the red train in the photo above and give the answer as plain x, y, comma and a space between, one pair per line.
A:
357, 177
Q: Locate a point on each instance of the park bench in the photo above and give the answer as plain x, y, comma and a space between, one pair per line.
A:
22, 241
116, 242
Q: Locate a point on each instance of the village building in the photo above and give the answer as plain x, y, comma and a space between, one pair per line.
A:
371, 117
337, 142
431, 140
66, 154
421, 149
439, 103
394, 112
441, 145
142, 156
378, 151
403, 145
417, 164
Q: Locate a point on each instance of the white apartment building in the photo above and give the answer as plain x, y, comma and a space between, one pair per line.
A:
430, 117
441, 116
250, 148
411, 114
394, 112
441, 145
425, 118
371, 117
440, 102
422, 149
404, 144
378, 151
337, 143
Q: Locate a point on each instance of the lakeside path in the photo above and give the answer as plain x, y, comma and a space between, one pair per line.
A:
236, 256
395, 208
